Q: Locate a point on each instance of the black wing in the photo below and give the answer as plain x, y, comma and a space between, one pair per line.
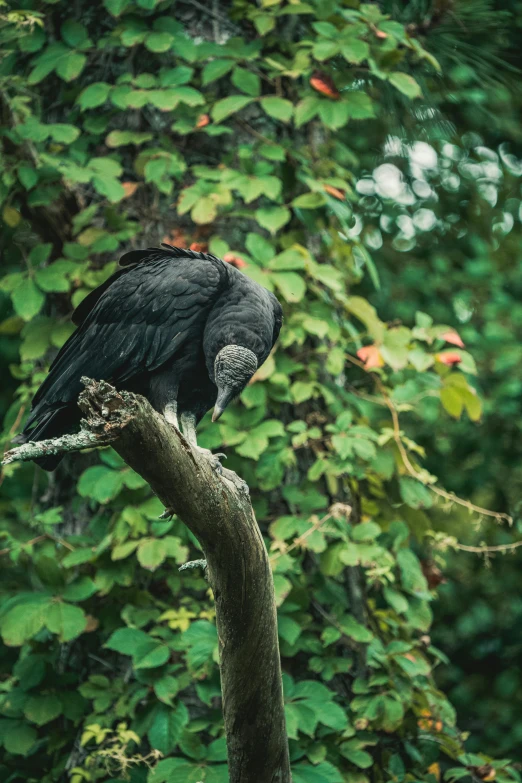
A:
137, 321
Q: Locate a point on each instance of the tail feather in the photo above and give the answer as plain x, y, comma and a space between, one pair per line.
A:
51, 424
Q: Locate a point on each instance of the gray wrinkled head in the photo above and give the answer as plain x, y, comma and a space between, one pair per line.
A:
233, 367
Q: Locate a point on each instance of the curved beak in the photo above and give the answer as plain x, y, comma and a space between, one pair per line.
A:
217, 412
223, 398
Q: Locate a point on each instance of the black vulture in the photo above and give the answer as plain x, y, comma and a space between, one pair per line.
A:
184, 329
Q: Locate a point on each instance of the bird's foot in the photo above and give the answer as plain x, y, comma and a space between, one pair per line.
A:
240, 485
214, 459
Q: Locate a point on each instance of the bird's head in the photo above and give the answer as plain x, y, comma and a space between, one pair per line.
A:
233, 367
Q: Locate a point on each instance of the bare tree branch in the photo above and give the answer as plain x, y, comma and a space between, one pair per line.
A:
220, 515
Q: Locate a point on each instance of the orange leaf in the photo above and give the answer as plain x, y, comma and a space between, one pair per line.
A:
371, 356
129, 188
176, 237
434, 769
324, 84
203, 120
199, 247
92, 623
449, 357
235, 260
452, 337
335, 192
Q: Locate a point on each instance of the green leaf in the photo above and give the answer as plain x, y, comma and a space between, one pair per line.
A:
94, 95
355, 50
43, 709
201, 640
366, 531
173, 77
40, 254
395, 347
412, 578
126, 640
122, 551
264, 23
272, 218
79, 590
334, 114
159, 42
414, 493
74, 34
355, 630
64, 134
150, 655
204, 211
24, 621
71, 65
116, 7
260, 248
309, 201
227, 106
47, 62
366, 313
27, 300
65, 620
319, 773
290, 284
27, 175
151, 553
405, 84
279, 108
122, 138
178, 770
360, 106
101, 483
452, 401
109, 187
288, 628
351, 751
19, 738
53, 278
215, 70
306, 110
323, 50
167, 727
166, 688
246, 81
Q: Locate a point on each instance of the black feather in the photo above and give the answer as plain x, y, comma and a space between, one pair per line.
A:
155, 327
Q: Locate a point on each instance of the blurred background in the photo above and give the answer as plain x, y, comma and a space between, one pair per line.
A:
435, 212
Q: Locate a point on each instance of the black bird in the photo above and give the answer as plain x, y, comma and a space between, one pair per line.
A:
184, 329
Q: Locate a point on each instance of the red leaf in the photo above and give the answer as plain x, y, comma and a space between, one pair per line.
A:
203, 120
176, 237
432, 573
449, 357
235, 260
199, 247
452, 337
371, 356
324, 84
335, 192
129, 188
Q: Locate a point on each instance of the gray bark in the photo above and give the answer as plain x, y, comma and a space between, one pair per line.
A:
215, 507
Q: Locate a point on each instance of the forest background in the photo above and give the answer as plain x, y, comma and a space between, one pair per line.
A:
364, 162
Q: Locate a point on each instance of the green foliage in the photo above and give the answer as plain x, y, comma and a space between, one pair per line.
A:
126, 127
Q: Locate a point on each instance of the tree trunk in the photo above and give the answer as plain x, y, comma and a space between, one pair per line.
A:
217, 509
